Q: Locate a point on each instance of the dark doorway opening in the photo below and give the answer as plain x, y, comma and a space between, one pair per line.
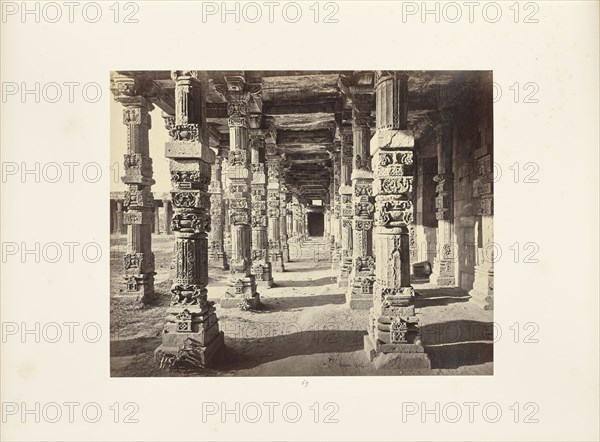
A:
316, 224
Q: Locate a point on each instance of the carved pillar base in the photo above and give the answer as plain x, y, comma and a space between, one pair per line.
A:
482, 293
360, 291
443, 273
335, 256
140, 287
241, 293
345, 270
263, 274
286, 250
191, 337
394, 341
277, 260
413, 357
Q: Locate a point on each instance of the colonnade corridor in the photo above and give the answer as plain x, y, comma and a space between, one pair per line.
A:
304, 326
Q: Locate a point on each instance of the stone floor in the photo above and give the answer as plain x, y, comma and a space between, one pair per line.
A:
304, 327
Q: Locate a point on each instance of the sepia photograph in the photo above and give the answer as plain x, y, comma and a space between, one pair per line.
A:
301, 223
299, 234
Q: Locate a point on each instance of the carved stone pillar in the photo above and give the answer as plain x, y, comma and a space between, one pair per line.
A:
168, 207
261, 265
393, 340
444, 271
290, 219
217, 213
362, 276
226, 217
295, 214
483, 285
326, 222
138, 200
156, 224
191, 334
346, 204
336, 245
119, 225
274, 206
283, 230
241, 290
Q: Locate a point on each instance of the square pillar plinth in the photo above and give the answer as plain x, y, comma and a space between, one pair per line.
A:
242, 294
412, 357
191, 337
482, 293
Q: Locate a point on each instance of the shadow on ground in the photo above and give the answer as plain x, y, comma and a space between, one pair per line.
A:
249, 353
440, 296
300, 302
326, 280
455, 344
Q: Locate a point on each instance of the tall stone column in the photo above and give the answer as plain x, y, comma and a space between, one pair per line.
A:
346, 205
168, 207
119, 225
336, 247
217, 213
393, 340
362, 276
241, 290
295, 214
227, 218
443, 273
283, 229
290, 218
191, 334
326, 222
274, 206
138, 200
157, 205
261, 264
482, 293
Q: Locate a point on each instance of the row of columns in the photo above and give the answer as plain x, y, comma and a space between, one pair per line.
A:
384, 187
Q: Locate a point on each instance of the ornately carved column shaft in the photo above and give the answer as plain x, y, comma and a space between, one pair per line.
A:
283, 230
217, 212
274, 206
346, 159
241, 291
138, 201
362, 276
444, 263
261, 265
393, 340
191, 334
336, 211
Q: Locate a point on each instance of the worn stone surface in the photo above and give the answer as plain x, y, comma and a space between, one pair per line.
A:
305, 328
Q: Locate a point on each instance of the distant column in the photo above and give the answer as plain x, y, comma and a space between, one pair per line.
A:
346, 205
362, 276
443, 272
261, 264
168, 207
274, 206
241, 290
217, 213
